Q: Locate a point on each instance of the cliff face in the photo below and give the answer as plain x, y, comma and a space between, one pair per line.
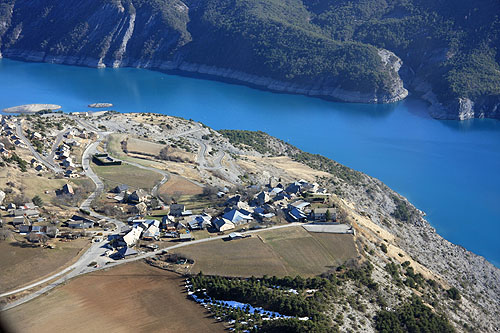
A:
465, 108
141, 34
319, 48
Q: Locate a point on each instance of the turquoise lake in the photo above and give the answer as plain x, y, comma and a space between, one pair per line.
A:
449, 169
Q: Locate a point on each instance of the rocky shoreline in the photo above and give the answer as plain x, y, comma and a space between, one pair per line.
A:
477, 279
316, 89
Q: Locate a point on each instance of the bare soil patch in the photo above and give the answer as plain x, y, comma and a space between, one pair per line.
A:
133, 297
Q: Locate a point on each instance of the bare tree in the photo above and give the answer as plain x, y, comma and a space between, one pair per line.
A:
164, 154
44, 239
20, 199
210, 191
5, 234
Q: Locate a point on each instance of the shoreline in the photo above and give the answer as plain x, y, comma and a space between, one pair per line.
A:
226, 75
492, 262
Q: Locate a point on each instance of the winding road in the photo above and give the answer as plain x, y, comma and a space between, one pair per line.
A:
94, 259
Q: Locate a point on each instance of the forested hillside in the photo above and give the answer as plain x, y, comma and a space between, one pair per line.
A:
329, 48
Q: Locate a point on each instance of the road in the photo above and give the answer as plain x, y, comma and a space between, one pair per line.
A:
96, 250
56, 144
95, 254
47, 163
202, 161
99, 185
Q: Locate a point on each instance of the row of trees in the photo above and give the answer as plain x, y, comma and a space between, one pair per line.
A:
261, 293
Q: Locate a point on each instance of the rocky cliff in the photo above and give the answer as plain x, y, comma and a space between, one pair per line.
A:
119, 33
348, 52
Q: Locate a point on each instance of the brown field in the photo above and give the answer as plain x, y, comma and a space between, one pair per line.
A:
289, 251
181, 185
283, 167
127, 174
130, 298
22, 265
243, 257
143, 147
152, 150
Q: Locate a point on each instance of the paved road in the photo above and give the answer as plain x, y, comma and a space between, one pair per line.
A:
99, 185
96, 251
47, 163
202, 161
95, 254
56, 144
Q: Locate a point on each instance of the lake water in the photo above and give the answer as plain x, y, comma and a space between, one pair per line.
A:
449, 169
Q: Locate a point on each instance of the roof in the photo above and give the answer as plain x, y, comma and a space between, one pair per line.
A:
80, 218
233, 200
18, 219
152, 231
296, 214
235, 235
133, 235
220, 222
126, 251
29, 205
237, 216
138, 195
80, 224
121, 188
300, 204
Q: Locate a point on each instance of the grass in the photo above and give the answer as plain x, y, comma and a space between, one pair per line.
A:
243, 257
308, 253
280, 252
127, 174
130, 298
197, 202
21, 265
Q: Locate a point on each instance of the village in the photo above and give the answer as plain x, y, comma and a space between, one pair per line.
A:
98, 192
147, 221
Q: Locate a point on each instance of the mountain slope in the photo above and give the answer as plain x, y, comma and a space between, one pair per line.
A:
343, 50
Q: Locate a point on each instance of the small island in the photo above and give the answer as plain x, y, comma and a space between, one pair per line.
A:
31, 108
100, 105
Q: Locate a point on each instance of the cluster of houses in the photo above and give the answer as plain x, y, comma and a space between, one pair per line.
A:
24, 218
9, 136
71, 139
273, 199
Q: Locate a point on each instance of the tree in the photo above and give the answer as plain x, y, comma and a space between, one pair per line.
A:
37, 201
328, 215
164, 154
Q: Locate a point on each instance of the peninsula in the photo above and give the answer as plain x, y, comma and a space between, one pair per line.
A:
160, 205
